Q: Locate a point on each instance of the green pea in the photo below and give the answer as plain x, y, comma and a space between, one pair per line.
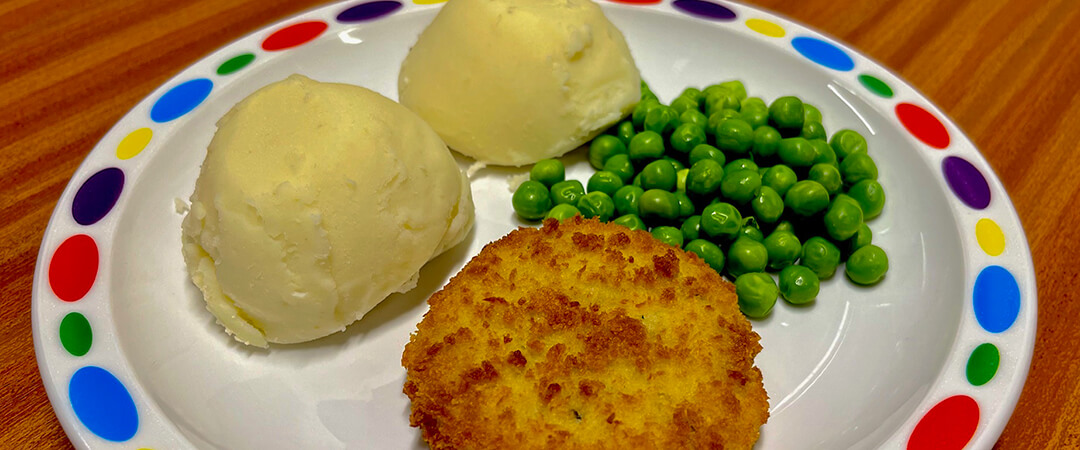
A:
637, 180
823, 153
719, 117
686, 137
784, 248
686, 206
811, 113
646, 93
604, 181
695, 117
680, 179
596, 204
734, 135
813, 130
704, 177
603, 147
531, 200
861, 239
767, 205
766, 142
871, 197
754, 102
631, 221
641, 111
780, 178
645, 145
750, 230
858, 167
708, 252
706, 151
740, 164
746, 255
658, 204
626, 200
820, 256
847, 142
668, 235
784, 225
721, 220
567, 192
736, 87
720, 99
692, 93
796, 152
828, 176
757, 293
799, 285
562, 212
807, 198
867, 265
787, 113
691, 228
620, 165
843, 218
756, 116
739, 186
548, 172
683, 104
662, 119
678, 165
659, 174
625, 132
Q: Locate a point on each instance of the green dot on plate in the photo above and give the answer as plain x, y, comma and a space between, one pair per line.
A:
75, 334
875, 85
235, 63
982, 365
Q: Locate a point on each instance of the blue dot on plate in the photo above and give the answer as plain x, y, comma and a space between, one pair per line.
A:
823, 53
181, 100
996, 299
103, 404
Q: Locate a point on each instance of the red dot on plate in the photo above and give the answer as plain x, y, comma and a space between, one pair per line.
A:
923, 125
73, 268
948, 425
294, 35
636, 2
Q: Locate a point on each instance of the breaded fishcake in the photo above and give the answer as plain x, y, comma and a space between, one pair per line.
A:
583, 334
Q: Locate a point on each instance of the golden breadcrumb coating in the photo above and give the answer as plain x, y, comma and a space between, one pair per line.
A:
582, 335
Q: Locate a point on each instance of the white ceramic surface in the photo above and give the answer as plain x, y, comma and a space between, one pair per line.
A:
856, 369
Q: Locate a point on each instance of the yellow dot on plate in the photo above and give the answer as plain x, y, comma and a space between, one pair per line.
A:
134, 143
765, 27
990, 237
428, 2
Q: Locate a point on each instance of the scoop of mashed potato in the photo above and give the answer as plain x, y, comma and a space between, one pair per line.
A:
315, 202
511, 82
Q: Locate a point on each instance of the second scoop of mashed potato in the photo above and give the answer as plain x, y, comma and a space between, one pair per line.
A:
315, 202
511, 82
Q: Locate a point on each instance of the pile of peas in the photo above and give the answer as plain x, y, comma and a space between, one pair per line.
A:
746, 186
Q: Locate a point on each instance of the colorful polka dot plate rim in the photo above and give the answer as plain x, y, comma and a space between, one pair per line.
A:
933, 357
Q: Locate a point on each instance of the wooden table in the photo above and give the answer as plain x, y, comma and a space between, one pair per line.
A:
1006, 71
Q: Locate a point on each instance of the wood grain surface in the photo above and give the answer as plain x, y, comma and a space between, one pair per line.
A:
1006, 71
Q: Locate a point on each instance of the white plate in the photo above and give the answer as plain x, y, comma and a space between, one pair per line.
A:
888, 366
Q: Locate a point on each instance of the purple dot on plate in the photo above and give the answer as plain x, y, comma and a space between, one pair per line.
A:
702, 8
966, 182
97, 196
368, 11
